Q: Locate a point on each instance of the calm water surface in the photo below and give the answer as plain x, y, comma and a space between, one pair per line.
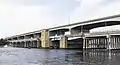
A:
20, 56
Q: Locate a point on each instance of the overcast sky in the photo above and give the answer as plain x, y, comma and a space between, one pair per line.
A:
20, 16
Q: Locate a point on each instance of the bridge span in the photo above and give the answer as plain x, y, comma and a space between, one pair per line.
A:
79, 36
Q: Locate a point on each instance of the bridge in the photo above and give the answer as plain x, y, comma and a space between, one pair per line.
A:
79, 36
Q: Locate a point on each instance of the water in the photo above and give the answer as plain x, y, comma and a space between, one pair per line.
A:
20, 56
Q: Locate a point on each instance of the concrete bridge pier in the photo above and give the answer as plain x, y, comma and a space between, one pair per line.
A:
38, 44
51, 43
34, 44
45, 41
23, 44
63, 42
27, 44
31, 44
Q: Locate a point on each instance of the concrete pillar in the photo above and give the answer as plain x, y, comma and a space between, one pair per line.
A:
98, 43
45, 39
19, 45
63, 42
22, 44
11, 44
109, 42
25, 45
33, 44
51, 44
114, 43
118, 43
84, 43
92, 40
93, 43
16, 44
105, 44
38, 43
30, 44
87, 42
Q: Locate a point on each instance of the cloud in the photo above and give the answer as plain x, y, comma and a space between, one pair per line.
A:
91, 9
20, 16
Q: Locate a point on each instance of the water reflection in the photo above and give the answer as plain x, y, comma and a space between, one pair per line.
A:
102, 57
19, 56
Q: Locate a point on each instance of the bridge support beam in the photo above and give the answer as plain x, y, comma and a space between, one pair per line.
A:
25, 44
38, 44
85, 43
109, 42
45, 39
51, 44
63, 42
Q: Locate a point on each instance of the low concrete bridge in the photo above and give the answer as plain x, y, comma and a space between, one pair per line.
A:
79, 36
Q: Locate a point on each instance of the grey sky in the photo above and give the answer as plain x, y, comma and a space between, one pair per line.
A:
20, 16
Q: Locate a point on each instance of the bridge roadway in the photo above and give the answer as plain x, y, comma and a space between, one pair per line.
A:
79, 36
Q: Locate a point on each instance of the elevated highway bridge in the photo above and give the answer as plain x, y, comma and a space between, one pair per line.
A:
79, 37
